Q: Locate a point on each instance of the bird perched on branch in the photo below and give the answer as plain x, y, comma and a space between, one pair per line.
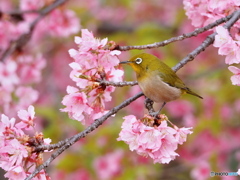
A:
157, 80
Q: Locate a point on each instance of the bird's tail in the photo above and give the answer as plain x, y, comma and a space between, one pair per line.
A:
189, 91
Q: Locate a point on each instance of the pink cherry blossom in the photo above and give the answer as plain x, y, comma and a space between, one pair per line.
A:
159, 143
203, 12
16, 151
7, 125
236, 77
76, 104
227, 46
222, 36
182, 133
27, 118
93, 62
89, 42
16, 173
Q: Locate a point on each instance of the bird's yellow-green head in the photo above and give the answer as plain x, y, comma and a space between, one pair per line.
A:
139, 63
143, 63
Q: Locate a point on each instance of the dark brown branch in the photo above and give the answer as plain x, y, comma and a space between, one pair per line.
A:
24, 38
63, 145
178, 38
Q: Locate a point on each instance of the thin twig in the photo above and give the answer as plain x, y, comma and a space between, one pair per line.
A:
24, 38
75, 138
178, 38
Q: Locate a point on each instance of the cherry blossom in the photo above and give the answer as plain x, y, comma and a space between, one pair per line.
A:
27, 118
16, 153
227, 46
159, 143
203, 12
92, 63
236, 77
76, 104
15, 173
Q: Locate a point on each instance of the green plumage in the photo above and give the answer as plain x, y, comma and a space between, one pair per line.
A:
147, 66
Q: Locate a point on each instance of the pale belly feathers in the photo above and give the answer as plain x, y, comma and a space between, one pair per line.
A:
158, 91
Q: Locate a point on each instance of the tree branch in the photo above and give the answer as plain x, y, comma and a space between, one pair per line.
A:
178, 38
24, 38
68, 142
118, 84
207, 42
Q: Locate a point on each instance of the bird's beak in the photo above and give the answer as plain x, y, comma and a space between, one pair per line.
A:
125, 62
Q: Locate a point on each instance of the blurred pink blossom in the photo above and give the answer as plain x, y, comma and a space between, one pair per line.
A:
30, 67
62, 23
108, 166
26, 95
180, 108
236, 77
8, 76
201, 171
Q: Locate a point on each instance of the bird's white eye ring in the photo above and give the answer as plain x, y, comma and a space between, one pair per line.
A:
138, 60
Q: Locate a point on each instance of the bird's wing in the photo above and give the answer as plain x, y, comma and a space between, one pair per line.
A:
172, 79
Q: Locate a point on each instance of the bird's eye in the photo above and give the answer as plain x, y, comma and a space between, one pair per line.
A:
138, 60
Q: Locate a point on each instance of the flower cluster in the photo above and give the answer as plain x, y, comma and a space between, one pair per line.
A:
60, 22
157, 142
93, 63
16, 77
203, 12
19, 72
16, 153
231, 49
